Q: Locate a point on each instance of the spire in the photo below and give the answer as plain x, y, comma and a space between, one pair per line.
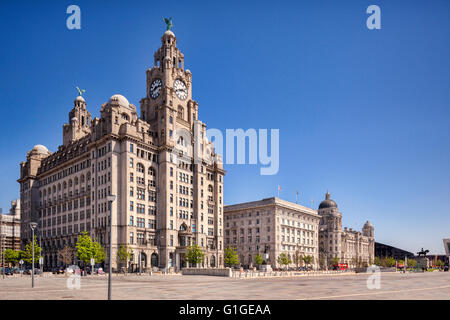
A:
327, 195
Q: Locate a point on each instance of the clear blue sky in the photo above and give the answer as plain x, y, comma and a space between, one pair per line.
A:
362, 113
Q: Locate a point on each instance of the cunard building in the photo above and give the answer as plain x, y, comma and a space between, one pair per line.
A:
167, 180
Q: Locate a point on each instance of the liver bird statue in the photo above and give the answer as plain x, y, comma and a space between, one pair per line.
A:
168, 23
80, 91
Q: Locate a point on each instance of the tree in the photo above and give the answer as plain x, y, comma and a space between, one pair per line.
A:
231, 257
194, 255
388, 262
308, 260
335, 261
28, 253
411, 262
11, 256
258, 259
66, 255
439, 263
283, 259
297, 258
377, 261
124, 255
98, 252
88, 249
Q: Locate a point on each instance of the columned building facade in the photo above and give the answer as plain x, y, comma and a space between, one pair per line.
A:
10, 227
273, 226
167, 179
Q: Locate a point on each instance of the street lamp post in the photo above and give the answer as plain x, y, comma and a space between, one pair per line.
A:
33, 226
3, 248
110, 199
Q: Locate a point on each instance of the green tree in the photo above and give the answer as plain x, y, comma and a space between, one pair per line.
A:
258, 259
11, 256
124, 255
377, 261
284, 259
388, 262
28, 253
194, 255
98, 252
88, 249
231, 257
84, 248
411, 263
439, 263
308, 260
335, 261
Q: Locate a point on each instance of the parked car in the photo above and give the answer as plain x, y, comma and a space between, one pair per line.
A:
8, 271
58, 270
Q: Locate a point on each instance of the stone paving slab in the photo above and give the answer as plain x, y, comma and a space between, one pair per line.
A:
429, 285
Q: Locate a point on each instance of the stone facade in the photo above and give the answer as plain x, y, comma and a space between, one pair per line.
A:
273, 226
10, 227
349, 246
166, 177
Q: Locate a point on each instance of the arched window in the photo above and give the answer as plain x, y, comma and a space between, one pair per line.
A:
70, 183
140, 168
59, 186
180, 112
82, 178
210, 188
75, 181
54, 189
183, 227
212, 261
181, 141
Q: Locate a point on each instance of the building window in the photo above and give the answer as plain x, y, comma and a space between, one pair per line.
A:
131, 148
131, 238
131, 221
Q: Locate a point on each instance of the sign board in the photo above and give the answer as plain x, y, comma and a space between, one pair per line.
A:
41, 260
21, 261
92, 261
447, 246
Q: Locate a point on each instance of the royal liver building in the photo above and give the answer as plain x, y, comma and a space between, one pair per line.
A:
166, 177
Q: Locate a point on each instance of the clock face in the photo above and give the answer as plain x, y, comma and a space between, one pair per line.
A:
180, 89
155, 88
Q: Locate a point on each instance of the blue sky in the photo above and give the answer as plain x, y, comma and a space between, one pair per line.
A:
362, 113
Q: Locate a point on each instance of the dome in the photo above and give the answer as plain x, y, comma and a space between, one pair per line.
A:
119, 99
80, 98
327, 203
40, 148
368, 224
169, 33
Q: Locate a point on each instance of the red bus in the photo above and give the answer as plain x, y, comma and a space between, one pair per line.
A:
340, 266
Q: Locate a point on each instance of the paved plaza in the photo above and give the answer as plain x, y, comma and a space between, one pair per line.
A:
429, 285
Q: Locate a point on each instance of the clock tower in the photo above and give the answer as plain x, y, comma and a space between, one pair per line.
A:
190, 174
169, 91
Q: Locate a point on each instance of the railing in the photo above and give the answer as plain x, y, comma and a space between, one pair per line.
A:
257, 274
